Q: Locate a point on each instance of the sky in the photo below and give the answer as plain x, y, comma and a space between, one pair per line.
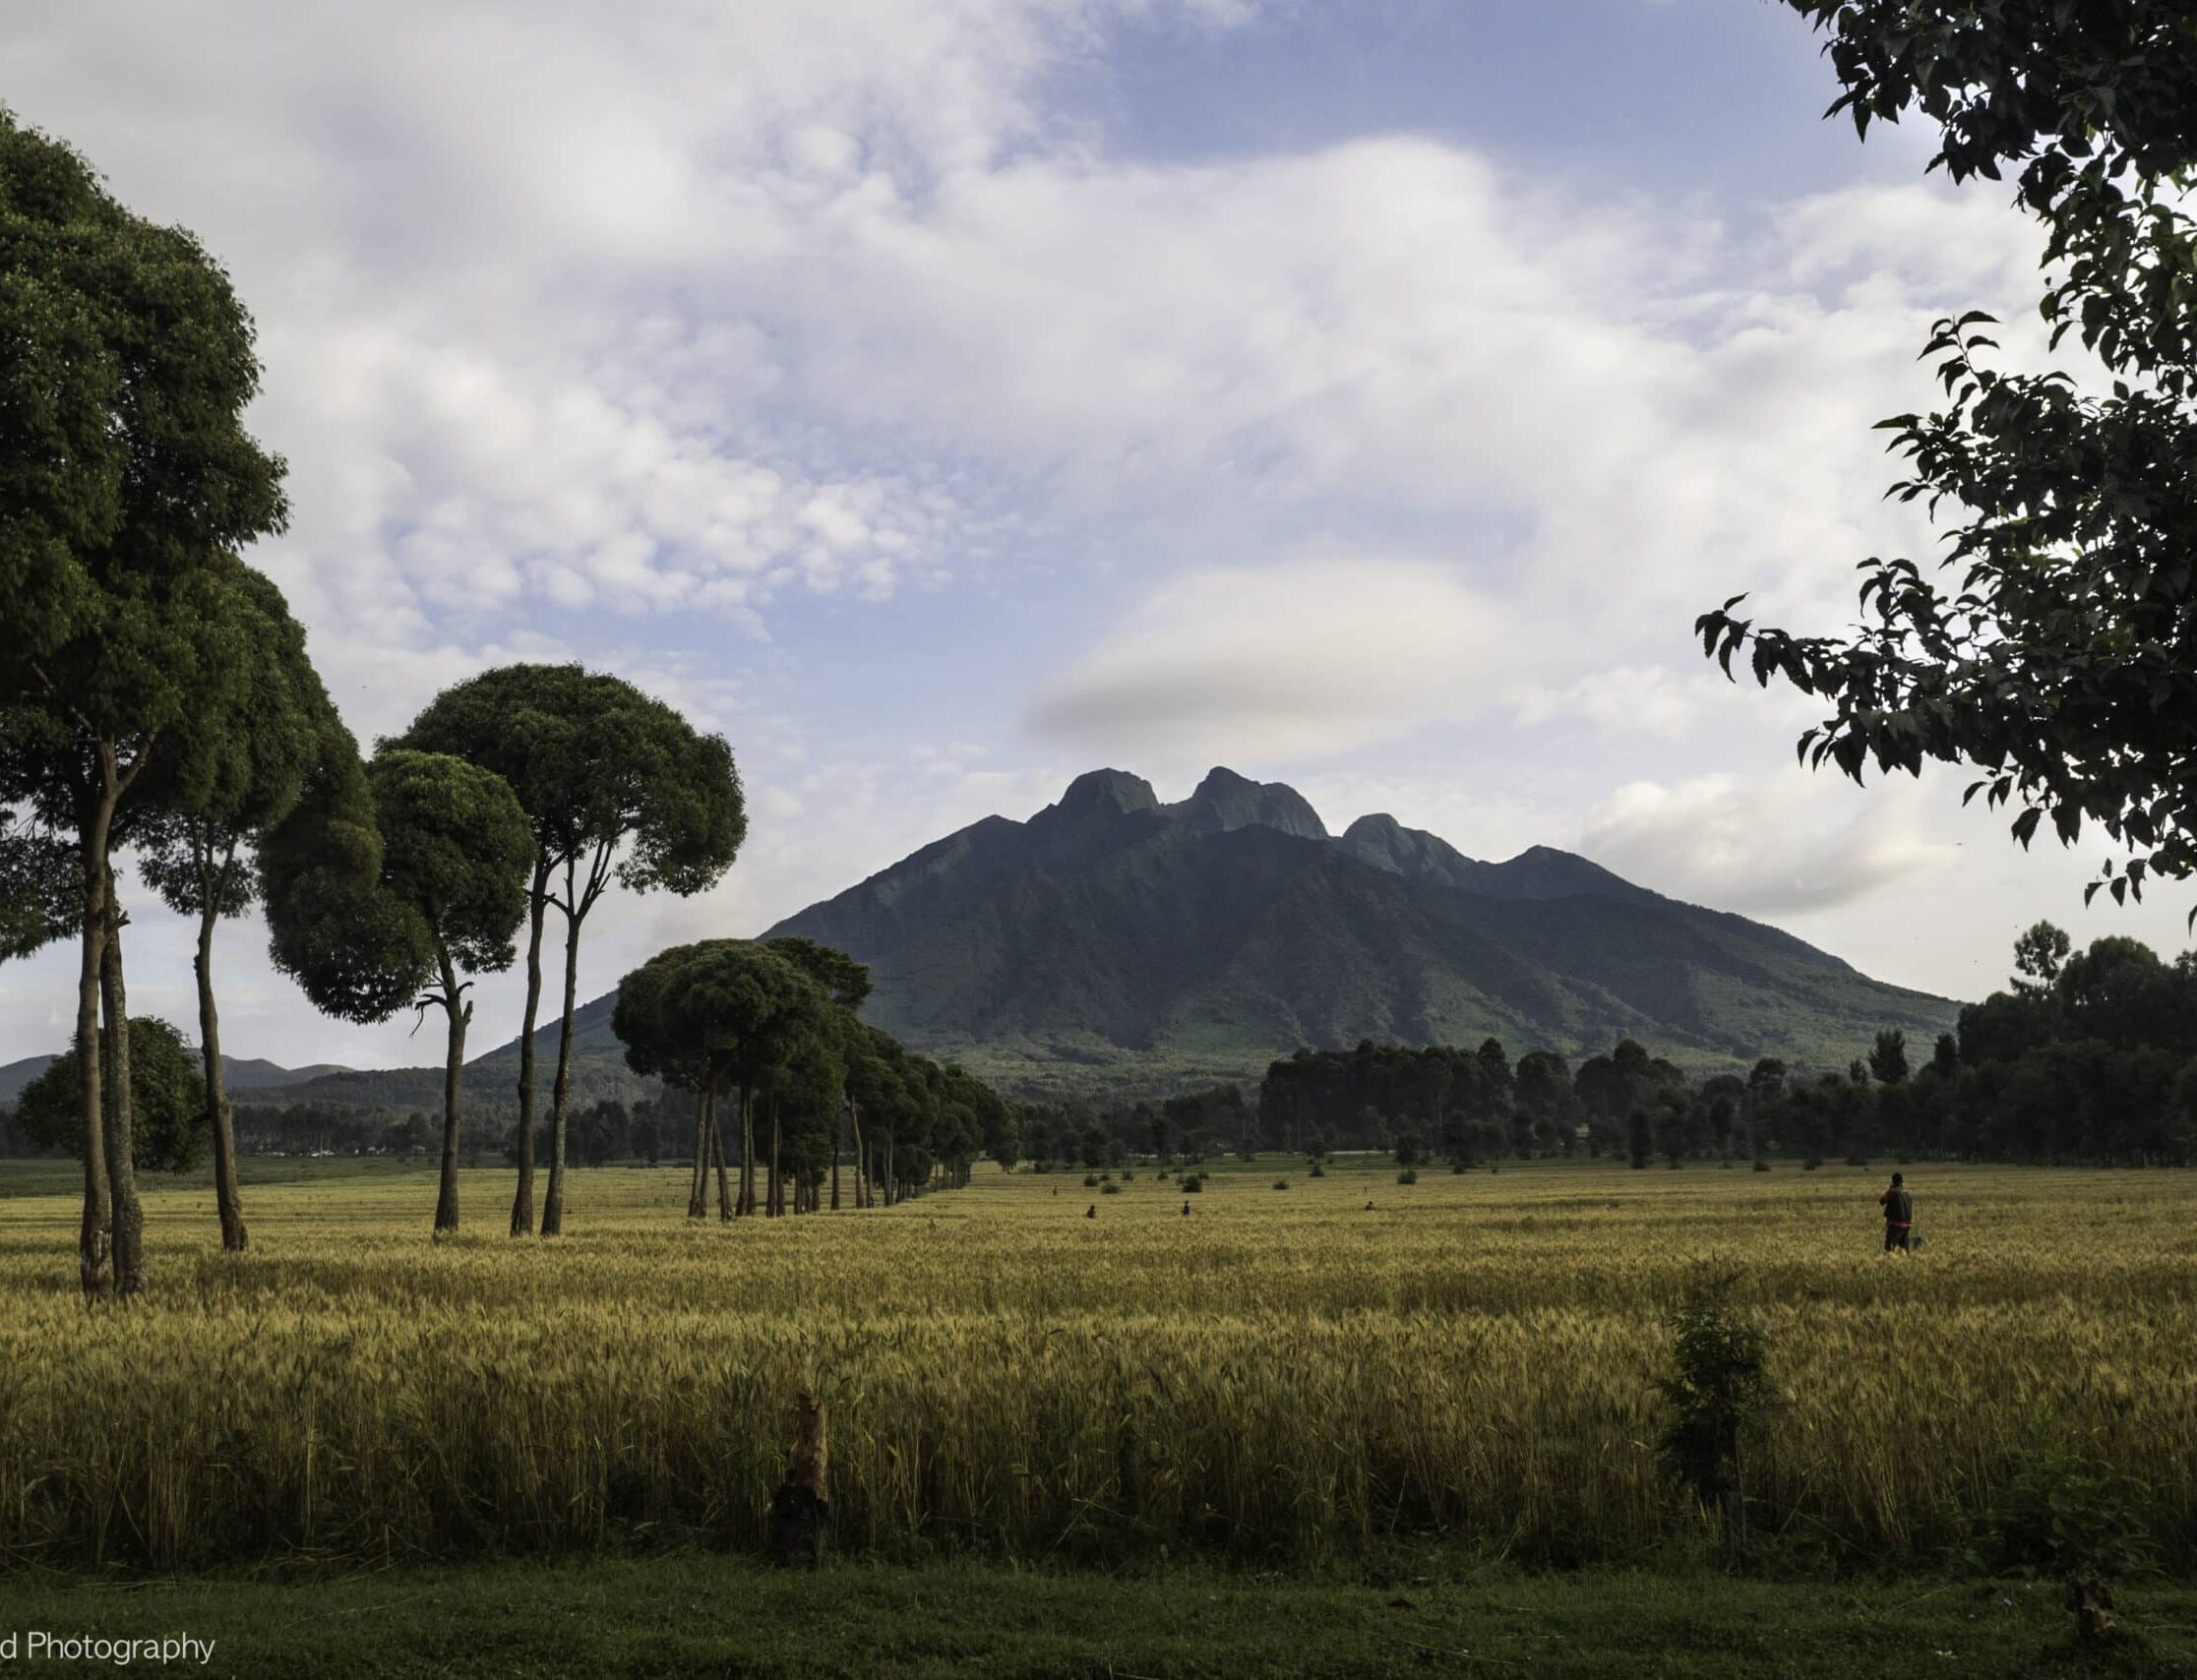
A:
943, 398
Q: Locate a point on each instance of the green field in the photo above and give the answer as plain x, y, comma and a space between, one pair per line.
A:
1284, 1385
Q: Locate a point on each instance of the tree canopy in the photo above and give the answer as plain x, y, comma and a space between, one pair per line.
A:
167, 1107
2055, 644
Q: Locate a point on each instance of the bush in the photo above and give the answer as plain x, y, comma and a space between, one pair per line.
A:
1110, 1189
1811, 1164
1281, 1183
1317, 1172
1409, 1176
2060, 1514
1761, 1164
1127, 1177
1193, 1184
1719, 1388
1090, 1180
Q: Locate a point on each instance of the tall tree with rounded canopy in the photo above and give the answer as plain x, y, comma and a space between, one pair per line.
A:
241, 767
616, 786
124, 468
455, 850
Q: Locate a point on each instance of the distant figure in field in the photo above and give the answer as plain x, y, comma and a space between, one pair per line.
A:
1899, 1215
1186, 1210
1368, 1207
1056, 1189
1091, 1212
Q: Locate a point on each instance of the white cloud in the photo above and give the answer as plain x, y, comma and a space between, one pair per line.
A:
1281, 664
1776, 844
1628, 698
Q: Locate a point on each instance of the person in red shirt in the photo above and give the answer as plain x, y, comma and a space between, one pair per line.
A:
1899, 1215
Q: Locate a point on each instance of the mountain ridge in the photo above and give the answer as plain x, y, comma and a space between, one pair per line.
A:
1110, 929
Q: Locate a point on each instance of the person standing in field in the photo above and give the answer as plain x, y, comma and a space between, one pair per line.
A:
1898, 1203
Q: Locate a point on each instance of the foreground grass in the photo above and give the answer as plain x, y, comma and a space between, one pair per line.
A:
694, 1614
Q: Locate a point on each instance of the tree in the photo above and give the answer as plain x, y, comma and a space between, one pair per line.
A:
127, 471
2056, 654
1639, 1137
168, 1107
712, 1015
1888, 1058
240, 767
2038, 956
455, 851
616, 786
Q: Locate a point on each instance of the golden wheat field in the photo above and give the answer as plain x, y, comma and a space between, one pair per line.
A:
1283, 1373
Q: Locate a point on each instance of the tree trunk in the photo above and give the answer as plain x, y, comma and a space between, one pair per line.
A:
454, 1072
234, 1238
747, 1150
122, 1177
553, 1205
705, 1123
838, 1148
523, 1201
717, 1150
778, 1183
94, 1238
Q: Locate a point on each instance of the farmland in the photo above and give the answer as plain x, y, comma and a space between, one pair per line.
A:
1285, 1376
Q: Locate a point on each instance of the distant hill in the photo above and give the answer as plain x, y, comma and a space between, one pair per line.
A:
1112, 935
240, 1072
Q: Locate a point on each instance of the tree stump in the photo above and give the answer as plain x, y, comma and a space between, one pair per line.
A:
799, 1508
2093, 1603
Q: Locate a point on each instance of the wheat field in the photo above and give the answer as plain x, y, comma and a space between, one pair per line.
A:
1282, 1374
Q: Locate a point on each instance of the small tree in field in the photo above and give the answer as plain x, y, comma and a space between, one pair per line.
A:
455, 850
168, 1108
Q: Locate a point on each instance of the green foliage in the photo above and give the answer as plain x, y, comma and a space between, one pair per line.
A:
39, 881
2054, 654
1717, 1388
2059, 1514
168, 1101
1409, 1176
596, 764
123, 458
455, 853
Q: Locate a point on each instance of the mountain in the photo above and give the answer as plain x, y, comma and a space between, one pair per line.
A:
1110, 935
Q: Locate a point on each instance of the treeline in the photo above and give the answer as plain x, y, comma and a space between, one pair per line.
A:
787, 1082
2086, 1059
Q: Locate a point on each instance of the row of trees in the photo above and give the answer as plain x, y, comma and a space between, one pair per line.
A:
765, 1038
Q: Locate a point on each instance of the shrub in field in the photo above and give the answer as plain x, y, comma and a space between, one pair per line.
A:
1761, 1166
1194, 1182
1317, 1172
1409, 1176
1110, 1189
1281, 1183
2059, 1515
1719, 1387
1090, 1180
